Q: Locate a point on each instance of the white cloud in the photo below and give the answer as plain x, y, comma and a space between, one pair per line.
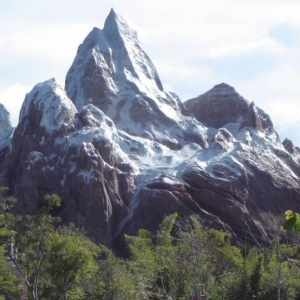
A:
52, 42
234, 48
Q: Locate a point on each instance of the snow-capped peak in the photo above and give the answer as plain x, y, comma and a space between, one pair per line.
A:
49, 104
116, 23
112, 72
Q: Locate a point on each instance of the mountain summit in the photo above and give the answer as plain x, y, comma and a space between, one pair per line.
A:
122, 153
113, 72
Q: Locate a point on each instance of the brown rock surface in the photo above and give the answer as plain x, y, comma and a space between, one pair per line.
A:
219, 106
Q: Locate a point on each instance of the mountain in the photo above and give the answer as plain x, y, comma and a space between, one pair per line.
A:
112, 71
122, 152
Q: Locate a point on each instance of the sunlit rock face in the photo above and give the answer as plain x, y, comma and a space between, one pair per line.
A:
123, 153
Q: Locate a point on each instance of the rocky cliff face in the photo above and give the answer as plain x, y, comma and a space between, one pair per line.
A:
123, 153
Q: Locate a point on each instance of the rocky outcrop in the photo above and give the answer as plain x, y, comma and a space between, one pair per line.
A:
219, 106
223, 107
293, 150
258, 120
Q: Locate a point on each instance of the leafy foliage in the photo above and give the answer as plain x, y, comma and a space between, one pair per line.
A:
292, 221
72, 258
181, 260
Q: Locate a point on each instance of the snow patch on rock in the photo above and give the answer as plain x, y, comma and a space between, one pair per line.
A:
50, 100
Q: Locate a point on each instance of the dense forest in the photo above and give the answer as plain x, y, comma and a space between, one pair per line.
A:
184, 260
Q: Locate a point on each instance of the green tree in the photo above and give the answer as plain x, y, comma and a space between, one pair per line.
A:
205, 257
6, 203
71, 257
242, 281
165, 254
31, 241
114, 280
8, 279
143, 262
194, 257
280, 275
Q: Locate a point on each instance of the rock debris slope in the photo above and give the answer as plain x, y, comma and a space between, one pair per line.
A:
122, 152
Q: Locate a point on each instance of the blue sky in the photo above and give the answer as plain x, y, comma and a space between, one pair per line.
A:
195, 44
